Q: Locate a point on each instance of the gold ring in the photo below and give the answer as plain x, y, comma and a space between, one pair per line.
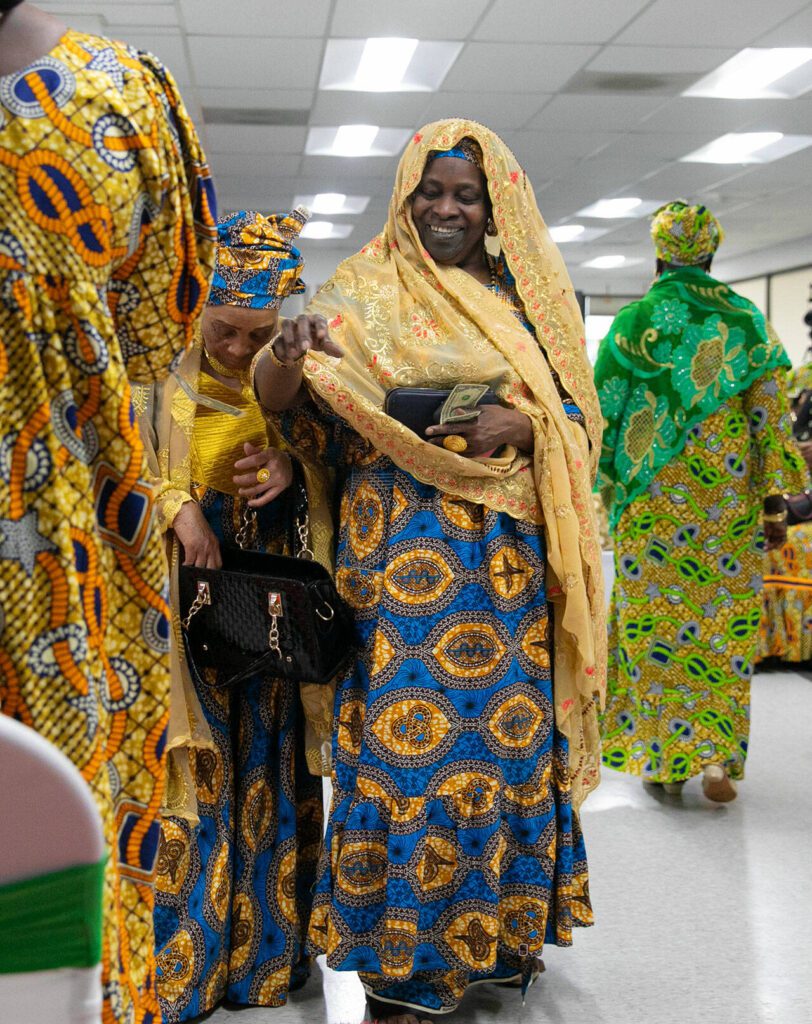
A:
263, 475
455, 443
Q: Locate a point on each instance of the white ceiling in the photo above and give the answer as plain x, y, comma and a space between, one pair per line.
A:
528, 70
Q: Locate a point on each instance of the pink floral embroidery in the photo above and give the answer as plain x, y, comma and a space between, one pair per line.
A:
337, 321
514, 176
417, 137
567, 704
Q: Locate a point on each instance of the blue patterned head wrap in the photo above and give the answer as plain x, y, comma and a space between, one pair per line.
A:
257, 264
466, 149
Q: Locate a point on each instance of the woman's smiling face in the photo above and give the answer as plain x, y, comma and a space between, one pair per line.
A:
450, 210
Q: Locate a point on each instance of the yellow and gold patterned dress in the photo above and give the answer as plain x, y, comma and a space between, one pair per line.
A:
105, 256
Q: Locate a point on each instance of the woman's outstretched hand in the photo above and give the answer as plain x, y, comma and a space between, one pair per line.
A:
259, 490
200, 546
307, 333
494, 427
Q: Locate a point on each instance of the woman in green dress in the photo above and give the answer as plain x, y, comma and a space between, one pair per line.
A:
697, 434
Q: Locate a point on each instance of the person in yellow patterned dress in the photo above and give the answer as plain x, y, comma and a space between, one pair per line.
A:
106, 250
454, 849
697, 443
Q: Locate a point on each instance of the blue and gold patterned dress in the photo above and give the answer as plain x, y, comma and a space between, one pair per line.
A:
233, 893
453, 851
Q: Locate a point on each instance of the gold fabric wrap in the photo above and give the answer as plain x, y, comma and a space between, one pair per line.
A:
167, 416
403, 320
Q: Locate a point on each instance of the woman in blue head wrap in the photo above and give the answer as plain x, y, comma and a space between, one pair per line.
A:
242, 812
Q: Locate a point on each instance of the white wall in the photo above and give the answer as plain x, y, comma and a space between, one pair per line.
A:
789, 303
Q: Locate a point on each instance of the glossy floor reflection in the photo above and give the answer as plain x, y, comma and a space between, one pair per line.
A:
702, 910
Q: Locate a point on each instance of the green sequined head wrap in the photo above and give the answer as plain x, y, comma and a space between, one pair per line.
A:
684, 235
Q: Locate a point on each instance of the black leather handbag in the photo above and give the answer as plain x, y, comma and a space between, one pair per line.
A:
265, 613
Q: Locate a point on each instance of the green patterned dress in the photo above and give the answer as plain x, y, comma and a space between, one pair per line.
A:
697, 433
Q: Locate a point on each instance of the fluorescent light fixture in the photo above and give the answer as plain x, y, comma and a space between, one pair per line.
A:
621, 206
329, 202
383, 64
566, 232
748, 148
325, 229
354, 140
611, 262
387, 64
780, 73
332, 203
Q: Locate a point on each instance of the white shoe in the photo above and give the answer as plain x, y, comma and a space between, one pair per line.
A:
673, 788
717, 785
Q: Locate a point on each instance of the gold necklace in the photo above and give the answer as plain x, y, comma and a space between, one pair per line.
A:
243, 376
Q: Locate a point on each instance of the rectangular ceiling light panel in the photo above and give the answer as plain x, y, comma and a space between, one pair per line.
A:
619, 207
326, 229
332, 203
387, 64
748, 148
780, 73
354, 140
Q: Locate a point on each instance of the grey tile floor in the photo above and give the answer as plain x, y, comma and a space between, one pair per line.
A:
703, 911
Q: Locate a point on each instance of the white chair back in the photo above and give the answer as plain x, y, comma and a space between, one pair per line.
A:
48, 822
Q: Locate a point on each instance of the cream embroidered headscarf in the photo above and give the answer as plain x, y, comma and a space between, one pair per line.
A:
404, 320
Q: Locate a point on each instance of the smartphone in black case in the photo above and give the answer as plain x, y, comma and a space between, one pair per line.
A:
419, 408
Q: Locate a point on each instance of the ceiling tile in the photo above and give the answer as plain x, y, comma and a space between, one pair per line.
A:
727, 23
506, 109
664, 148
685, 113
162, 14
556, 21
227, 138
167, 45
795, 31
684, 181
237, 62
789, 116
228, 165
421, 19
381, 108
514, 67
574, 145
649, 59
256, 98
256, 18
378, 167
589, 113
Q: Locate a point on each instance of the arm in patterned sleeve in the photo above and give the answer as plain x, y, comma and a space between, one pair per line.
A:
160, 288
778, 466
315, 433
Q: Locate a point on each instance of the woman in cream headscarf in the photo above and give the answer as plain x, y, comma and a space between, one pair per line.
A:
242, 825
454, 846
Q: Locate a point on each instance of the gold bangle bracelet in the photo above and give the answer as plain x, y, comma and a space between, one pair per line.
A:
775, 517
277, 361
268, 348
